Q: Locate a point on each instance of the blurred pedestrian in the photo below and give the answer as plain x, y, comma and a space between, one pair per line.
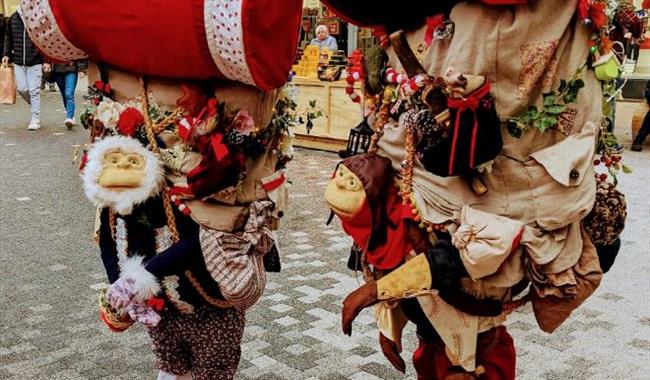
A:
65, 75
644, 131
28, 65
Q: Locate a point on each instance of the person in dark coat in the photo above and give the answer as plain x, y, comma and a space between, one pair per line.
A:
28, 65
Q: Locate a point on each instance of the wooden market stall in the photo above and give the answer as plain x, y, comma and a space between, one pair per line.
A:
340, 114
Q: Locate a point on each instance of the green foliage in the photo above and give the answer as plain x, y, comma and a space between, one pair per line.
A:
554, 103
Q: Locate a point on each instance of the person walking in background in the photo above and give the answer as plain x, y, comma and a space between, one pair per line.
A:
28, 65
637, 145
323, 38
65, 76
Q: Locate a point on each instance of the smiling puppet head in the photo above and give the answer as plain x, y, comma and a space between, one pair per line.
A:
357, 193
121, 173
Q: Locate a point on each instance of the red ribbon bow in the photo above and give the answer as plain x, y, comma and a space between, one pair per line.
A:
103, 87
381, 35
432, 23
188, 123
220, 149
156, 303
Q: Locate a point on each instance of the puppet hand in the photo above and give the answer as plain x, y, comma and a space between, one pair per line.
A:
143, 314
356, 301
120, 293
389, 348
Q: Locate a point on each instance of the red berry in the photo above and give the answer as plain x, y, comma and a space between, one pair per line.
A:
603, 177
596, 162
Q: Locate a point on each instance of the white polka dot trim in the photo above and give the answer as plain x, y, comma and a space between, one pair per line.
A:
45, 32
223, 28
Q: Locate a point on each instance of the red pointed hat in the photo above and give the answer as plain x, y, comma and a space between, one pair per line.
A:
248, 41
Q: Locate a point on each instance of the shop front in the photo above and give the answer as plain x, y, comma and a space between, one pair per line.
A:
320, 74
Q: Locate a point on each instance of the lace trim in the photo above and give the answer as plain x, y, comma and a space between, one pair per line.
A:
170, 284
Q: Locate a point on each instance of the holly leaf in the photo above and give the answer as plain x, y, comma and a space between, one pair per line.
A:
549, 99
562, 86
312, 103
626, 169
545, 123
555, 109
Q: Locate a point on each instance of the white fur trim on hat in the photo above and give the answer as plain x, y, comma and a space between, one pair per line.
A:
146, 284
123, 201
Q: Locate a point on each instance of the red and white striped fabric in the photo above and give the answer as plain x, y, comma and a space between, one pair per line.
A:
250, 41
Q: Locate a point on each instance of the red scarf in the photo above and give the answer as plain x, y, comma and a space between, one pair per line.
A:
398, 245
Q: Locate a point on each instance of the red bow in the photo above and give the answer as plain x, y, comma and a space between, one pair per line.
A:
432, 24
210, 110
381, 35
103, 87
187, 124
156, 303
220, 149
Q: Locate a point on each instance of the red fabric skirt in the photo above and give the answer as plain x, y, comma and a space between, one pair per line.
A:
495, 351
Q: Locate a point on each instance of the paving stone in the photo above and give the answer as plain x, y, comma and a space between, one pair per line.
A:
48, 258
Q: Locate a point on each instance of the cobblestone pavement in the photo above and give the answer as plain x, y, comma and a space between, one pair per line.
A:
51, 271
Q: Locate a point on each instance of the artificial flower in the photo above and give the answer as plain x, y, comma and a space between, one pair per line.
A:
598, 15
243, 123
108, 112
130, 120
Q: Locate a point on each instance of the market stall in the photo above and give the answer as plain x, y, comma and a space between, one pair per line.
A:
340, 114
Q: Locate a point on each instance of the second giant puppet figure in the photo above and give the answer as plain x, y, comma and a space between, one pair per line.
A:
188, 142
479, 193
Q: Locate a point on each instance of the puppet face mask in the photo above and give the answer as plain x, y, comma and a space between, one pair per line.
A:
122, 170
121, 173
345, 194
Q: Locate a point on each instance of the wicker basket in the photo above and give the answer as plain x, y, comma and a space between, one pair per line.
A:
110, 317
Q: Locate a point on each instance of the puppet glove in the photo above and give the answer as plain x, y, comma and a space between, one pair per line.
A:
143, 314
120, 293
135, 284
411, 278
391, 352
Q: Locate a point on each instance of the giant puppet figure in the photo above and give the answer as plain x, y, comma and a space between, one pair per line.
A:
480, 191
188, 142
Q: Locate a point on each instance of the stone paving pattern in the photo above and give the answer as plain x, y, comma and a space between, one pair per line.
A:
50, 272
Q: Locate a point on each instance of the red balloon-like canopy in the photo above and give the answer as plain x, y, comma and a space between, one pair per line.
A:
243, 40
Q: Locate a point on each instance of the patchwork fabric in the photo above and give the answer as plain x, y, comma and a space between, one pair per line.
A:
566, 120
539, 64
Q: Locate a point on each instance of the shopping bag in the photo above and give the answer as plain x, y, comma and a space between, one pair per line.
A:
7, 85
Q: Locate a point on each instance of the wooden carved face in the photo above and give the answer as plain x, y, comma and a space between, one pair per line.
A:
345, 194
122, 170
